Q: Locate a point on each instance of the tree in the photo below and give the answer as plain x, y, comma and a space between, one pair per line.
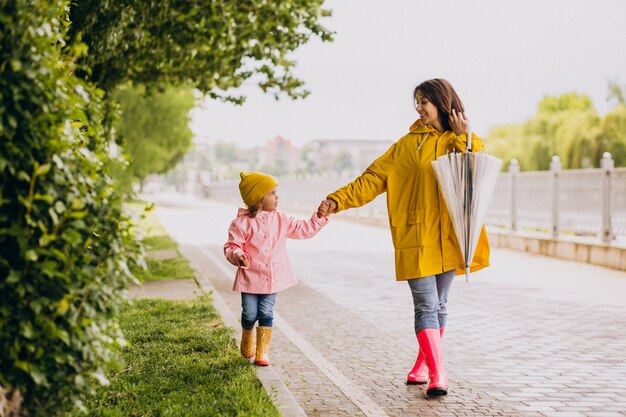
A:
617, 93
153, 130
65, 244
565, 125
612, 137
613, 130
212, 46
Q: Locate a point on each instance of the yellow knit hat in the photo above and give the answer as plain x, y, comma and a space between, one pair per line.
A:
254, 185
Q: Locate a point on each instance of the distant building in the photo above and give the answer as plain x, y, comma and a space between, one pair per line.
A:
345, 154
278, 156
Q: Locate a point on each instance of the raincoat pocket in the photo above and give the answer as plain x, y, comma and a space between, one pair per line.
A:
406, 229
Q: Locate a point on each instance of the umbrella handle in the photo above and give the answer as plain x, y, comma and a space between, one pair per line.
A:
469, 136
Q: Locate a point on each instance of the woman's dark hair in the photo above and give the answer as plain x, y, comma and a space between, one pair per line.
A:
441, 93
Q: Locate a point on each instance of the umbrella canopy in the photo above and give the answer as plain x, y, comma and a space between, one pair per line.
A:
467, 180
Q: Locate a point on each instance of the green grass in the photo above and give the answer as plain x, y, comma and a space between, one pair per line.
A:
180, 361
166, 269
161, 242
149, 223
156, 238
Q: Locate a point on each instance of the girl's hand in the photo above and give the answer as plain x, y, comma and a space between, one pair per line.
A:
326, 207
244, 260
458, 122
322, 210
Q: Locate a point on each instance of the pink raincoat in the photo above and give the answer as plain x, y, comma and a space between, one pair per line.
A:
263, 238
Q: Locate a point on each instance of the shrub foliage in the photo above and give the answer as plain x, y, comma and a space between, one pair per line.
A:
65, 244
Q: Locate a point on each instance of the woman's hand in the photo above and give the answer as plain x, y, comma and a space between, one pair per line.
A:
244, 260
323, 209
326, 207
458, 122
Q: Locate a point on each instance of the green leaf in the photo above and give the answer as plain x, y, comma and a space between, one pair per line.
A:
16, 65
58, 161
27, 330
36, 306
59, 206
100, 377
42, 226
63, 336
42, 170
24, 366
63, 306
46, 239
31, 255
13, 277
78, 204
38, 376
43, 197
77, 214
23, 176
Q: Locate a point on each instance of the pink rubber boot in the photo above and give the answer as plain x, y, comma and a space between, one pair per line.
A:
419, 373
430, 346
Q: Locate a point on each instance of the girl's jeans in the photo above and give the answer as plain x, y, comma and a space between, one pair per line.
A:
257, 307
430, 300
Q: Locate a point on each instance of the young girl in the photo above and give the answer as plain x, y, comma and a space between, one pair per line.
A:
256, 245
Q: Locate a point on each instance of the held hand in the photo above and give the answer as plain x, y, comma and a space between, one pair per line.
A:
458, 122
326, 207
323, 209
244, 260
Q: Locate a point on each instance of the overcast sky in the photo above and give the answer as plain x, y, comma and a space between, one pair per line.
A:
502, 56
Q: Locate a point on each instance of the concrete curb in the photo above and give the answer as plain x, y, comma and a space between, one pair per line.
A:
278, 391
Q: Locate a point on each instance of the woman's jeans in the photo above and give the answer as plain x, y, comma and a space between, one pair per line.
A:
257, 307
430, 300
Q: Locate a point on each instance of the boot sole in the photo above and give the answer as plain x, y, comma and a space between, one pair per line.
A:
416, 382
437, 392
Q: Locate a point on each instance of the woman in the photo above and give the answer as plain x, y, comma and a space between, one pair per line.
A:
427, 254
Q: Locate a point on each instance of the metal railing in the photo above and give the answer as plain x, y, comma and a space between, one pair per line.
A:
588, 202
585, 202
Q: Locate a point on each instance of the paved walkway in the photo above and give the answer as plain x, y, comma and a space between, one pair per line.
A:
180, 289
529, 336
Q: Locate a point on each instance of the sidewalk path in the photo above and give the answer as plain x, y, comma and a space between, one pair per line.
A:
529, 336
179, 289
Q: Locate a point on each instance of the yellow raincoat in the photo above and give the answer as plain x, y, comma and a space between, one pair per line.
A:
424, 240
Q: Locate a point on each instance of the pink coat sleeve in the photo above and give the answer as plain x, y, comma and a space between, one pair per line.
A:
305, 229
233, 249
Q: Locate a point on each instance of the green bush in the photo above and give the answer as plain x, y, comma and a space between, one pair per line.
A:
65, 244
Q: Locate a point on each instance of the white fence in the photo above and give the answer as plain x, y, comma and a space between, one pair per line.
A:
588, 202
573, 201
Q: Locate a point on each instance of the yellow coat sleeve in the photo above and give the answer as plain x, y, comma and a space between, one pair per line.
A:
368, 185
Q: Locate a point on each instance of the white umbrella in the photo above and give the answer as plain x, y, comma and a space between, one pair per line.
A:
467, 180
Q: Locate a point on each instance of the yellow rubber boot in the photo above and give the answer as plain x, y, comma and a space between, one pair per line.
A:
263, 338
247, 343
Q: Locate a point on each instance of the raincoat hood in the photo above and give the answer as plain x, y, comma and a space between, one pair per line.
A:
419, 127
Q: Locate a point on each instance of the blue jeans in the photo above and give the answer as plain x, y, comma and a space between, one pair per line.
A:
257, 307
430, 300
